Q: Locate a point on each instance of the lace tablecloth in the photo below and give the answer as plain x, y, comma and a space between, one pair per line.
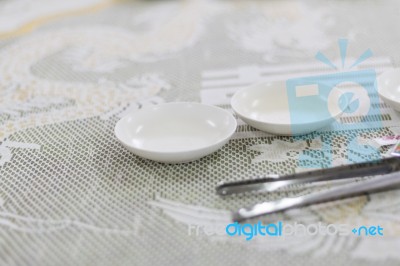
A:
70, 194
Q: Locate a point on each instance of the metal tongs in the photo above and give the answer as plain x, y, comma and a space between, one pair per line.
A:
388, 168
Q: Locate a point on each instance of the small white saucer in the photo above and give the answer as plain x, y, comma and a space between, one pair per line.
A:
265, 106
175, 132
388, 84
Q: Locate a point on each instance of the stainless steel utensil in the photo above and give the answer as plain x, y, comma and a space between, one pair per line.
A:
268, 184
377, 184
388, 167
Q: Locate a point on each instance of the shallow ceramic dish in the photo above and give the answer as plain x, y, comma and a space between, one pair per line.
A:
175, 132
388, 84
265, 106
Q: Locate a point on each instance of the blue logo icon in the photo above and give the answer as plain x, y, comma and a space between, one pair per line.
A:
348, 98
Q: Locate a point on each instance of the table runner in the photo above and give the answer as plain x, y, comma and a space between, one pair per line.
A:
70, 194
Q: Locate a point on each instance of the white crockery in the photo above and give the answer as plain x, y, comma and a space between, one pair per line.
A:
388, 84
265, 106
175, 132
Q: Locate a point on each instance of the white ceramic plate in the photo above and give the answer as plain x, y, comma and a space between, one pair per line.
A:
175, 132
389, 87
265, 106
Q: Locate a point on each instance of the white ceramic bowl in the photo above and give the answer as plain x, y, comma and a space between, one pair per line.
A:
388, 84
265, 106
175, 132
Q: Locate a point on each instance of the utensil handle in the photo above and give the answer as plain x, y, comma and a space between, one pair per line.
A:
383, 166
382, 183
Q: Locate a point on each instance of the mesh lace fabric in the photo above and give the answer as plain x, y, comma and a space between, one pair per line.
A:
70, 194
